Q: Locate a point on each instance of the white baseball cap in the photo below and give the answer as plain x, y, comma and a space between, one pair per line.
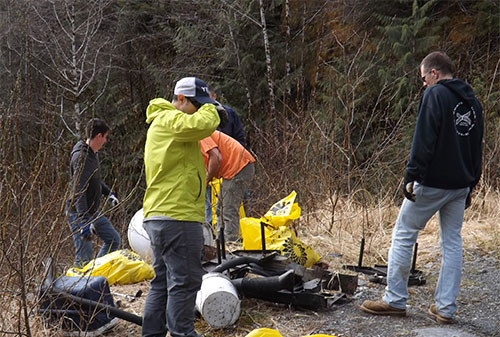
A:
195, 88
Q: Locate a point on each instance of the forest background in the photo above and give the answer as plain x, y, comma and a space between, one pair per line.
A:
327, 92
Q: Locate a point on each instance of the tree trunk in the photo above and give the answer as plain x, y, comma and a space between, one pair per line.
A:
238, 60
270, 81
287, 56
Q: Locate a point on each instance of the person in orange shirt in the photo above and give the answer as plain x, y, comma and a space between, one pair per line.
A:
226, 158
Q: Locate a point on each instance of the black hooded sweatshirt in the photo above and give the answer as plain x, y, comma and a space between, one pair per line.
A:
87, 186
447, 145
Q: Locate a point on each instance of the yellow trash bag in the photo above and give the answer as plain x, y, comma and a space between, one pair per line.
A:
283, 212
250, 232
120, 267
277, 234
264, 332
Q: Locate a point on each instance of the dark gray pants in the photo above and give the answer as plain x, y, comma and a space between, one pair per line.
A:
177, 248
232, 193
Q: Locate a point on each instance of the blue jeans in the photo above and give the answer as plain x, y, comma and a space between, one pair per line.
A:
413, 216
84, 247
170, 304
208, 205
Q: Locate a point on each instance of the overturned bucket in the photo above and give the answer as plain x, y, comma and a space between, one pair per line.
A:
218, 301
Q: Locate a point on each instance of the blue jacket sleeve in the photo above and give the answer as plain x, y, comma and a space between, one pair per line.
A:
234, 128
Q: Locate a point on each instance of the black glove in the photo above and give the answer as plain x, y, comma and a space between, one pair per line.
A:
468, 200
408, 187
222, 115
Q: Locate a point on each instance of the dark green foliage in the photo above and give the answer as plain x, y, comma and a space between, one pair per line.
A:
346, 82
404, 42
345, 74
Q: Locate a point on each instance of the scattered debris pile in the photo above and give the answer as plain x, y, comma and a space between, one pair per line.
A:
378, 273
272, 277
79, 304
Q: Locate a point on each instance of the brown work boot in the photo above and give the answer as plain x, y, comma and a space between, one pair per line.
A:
438, 317
381, 308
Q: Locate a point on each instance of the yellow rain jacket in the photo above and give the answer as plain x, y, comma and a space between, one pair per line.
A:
175, 173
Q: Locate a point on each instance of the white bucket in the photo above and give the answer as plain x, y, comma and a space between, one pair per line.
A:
138, 238
218, 301
140, 243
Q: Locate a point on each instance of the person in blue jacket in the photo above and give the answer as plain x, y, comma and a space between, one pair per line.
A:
444, 166
234, 129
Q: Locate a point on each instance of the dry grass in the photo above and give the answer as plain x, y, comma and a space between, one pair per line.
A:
337, 247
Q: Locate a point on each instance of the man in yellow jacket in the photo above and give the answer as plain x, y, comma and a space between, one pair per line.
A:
174, 205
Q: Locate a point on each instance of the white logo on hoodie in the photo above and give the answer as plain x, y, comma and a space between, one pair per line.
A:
464, 119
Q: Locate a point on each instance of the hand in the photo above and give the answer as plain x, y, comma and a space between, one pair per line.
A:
408, 187
468, 200
222, 114
113, 199
92, 229
85, 231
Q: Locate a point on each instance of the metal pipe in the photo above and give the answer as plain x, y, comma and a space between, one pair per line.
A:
263, 237
414, 262
113, 311
361, 251
235, 262
223, 243
219, 257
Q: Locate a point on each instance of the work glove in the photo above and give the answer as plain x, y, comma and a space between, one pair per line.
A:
222, 114
85, 231
113, 199
92, 229
408, 187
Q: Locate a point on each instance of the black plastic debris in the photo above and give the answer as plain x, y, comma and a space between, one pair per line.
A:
269, 276
378, 273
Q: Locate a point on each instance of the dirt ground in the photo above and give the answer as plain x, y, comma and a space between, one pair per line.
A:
478, 313
478, 302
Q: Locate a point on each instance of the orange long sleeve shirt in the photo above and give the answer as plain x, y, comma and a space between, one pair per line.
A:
234, 155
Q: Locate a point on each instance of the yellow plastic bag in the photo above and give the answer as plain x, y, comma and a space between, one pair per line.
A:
250, 232
284, 239
278, 235
283, 212
120, 267
265, 332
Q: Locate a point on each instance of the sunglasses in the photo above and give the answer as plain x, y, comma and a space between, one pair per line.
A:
196, 104
423, 77
430, 71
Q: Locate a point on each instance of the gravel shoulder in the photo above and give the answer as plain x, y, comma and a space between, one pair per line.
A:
478, 313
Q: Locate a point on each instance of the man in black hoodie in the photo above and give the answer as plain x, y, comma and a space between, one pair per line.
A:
86, 191
444, 166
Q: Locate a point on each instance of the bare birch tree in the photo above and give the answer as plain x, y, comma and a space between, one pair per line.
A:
71, 54
270, 80
287, 51
237, 53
